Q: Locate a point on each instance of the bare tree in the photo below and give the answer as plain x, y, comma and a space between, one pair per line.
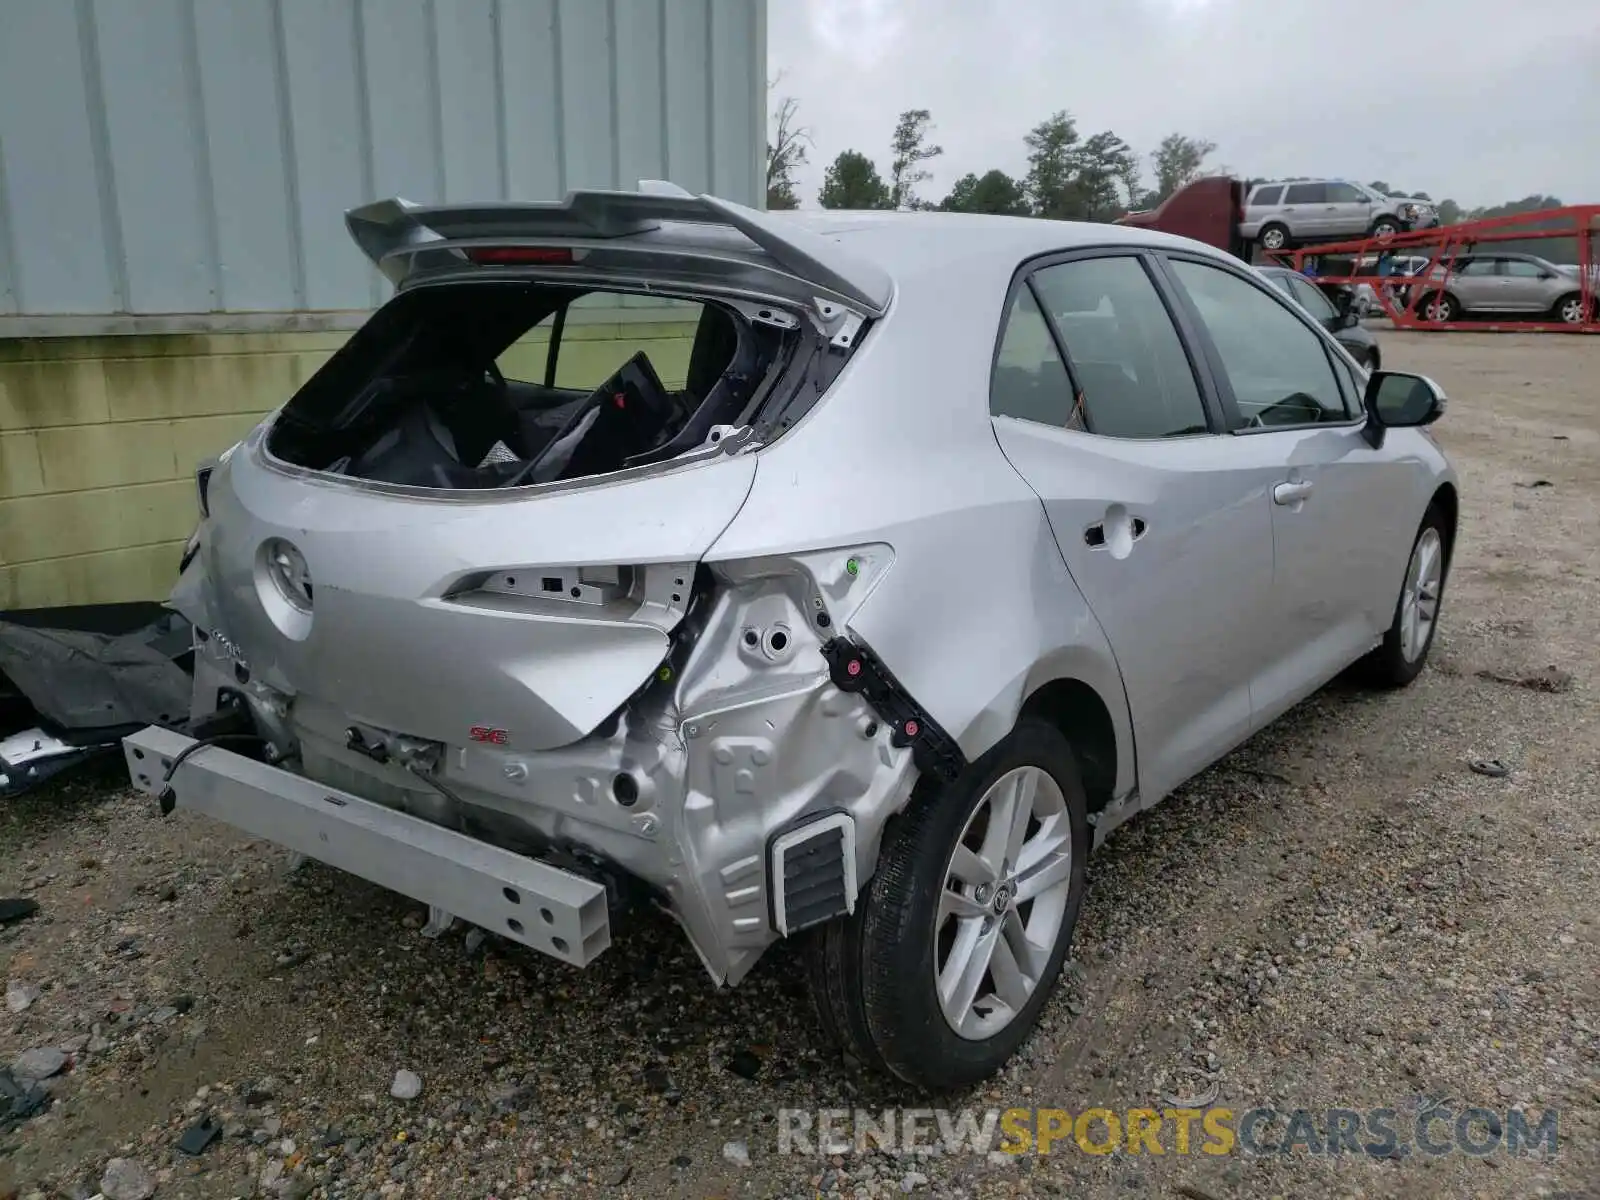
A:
786, 151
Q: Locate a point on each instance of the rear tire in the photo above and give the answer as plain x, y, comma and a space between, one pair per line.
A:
833, 974
1403, 652
1440, 307
1569, 309
877, 972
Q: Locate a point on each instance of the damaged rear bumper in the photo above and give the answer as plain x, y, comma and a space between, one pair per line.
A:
528, 901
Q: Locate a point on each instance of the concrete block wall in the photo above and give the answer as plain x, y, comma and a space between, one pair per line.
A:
99, 438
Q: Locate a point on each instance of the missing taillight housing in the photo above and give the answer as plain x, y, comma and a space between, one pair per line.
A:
503, 256
202, 487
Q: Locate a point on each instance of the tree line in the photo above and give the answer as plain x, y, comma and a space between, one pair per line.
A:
1069, 178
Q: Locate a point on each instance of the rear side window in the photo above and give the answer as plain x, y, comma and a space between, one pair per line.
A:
1030, 381
1279, 369
590, 350
1271, 194
1133, 376
1306, 193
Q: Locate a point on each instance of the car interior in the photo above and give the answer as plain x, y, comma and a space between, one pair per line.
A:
419, 396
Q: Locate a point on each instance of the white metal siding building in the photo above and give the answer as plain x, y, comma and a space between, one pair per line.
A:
190, 160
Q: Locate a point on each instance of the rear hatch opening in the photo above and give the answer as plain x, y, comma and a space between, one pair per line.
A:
510, 382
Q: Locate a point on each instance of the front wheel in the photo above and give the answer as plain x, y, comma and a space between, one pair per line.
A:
957, 943
1274, 237
1385, 227
1403, 652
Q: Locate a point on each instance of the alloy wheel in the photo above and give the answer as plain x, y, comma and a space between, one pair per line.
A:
1572, 310
1419, 602
1005, 896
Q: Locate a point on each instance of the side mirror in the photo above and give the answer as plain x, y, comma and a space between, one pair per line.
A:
1396, 400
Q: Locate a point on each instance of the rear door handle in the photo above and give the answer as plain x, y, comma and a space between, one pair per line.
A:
1095, 535
1291, 493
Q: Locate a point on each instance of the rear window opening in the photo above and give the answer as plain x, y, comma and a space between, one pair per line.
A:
513, 383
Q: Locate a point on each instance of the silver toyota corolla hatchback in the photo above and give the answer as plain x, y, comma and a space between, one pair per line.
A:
927, 549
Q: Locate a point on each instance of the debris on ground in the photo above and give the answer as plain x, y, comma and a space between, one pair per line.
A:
199, 1135
16, 908
407, 1085
19, 1100
737, 1153
1550, 679
39, 1063
20, 996
125, 1179
87, 689
1492, 767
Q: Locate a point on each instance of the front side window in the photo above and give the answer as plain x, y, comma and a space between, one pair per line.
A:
1279, 369
1521, 268
1306, 193
1344, 193
1134, 377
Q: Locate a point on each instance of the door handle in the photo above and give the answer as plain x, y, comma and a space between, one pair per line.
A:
1095, 535
1291, 493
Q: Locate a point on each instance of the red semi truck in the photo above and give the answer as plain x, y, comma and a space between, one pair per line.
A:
1208, 210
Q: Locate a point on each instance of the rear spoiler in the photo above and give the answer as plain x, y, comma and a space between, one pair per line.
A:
389, 231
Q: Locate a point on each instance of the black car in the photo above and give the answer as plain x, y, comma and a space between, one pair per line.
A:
1339, 320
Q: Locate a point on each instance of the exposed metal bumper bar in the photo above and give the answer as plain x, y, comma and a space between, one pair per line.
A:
528, 901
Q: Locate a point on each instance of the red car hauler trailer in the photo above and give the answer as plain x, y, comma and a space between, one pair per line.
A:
1425, 300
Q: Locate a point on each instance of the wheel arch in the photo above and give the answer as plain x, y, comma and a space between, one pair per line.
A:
1079, 713
1447, 501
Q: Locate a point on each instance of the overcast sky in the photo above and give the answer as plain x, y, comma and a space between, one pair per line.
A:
1480, 100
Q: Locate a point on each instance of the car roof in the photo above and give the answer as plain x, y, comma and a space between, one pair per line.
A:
910, 244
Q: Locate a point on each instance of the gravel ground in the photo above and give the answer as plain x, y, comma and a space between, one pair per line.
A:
1340, 914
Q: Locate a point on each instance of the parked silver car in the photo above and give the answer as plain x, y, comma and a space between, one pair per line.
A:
1286, 213
1505, 282
958, 541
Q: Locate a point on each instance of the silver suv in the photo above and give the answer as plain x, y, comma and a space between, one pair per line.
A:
1284, 213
